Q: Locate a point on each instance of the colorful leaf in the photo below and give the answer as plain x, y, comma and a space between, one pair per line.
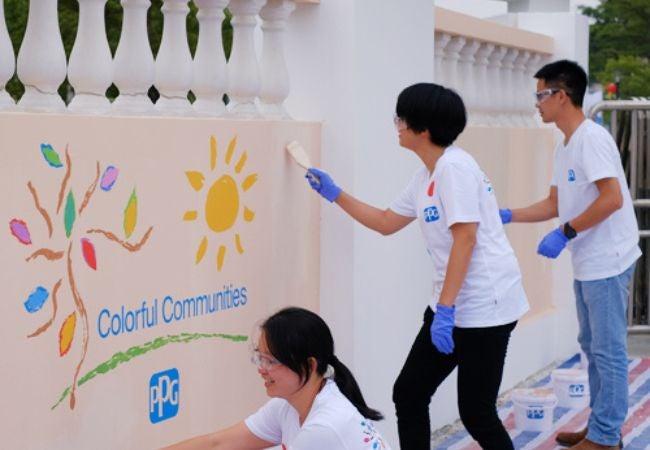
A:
19, 229
51, 156
88, 250
70, 214
109, 178
36, 299
66, 333
196, 179
130, 215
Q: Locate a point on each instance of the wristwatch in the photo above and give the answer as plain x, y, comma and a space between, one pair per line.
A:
568, 231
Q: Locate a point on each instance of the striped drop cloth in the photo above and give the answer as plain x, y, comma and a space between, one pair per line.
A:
636, 430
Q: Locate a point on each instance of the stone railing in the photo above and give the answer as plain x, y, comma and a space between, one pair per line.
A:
491, 66
256, 88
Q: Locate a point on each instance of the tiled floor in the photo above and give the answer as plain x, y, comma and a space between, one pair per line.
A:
636, 432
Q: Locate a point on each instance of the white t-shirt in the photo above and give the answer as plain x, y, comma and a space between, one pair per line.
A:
458, 191
332, 423
610, 247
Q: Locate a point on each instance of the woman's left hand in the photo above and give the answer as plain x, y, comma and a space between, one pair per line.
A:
442, 328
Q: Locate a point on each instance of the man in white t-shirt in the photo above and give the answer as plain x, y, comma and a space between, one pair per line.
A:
589, 194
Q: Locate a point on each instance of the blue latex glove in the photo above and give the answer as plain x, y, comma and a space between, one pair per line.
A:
442, 328
322, 183
506, 215
552, 244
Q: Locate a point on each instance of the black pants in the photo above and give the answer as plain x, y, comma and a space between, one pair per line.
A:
479, 354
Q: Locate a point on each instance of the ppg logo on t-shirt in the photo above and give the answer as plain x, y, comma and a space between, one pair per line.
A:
431, 214
572, 175
163, 395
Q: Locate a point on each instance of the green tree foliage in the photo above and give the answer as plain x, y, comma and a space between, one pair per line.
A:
16, 13
620, 41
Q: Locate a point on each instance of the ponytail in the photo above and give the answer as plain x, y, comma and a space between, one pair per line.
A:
349, 387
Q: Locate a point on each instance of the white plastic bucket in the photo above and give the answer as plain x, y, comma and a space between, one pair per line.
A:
534, 408
571, 386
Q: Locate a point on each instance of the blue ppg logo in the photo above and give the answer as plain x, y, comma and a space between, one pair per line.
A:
535, 413
431, 214
163, 395
572, 175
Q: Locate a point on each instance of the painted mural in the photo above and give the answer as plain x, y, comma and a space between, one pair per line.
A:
137, 259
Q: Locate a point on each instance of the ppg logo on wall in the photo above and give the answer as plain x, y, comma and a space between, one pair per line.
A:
163, 395
431, 214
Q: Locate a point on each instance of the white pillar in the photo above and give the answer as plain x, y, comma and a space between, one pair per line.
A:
468, 77
451, 55
90, 70
133, 63
210, 72
173, 77
522, 94
495, 93
7, 62
482, 83
244, 70
41, 58
441, 40
275, 85
506, 79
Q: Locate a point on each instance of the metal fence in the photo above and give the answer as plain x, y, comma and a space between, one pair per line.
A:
629, 123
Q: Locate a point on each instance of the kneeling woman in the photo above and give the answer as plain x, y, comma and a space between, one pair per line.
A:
316, 403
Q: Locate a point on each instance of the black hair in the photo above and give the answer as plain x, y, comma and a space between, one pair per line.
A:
429, 106
294, 335
566, 75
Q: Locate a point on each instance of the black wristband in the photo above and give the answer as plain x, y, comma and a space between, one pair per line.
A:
568, 231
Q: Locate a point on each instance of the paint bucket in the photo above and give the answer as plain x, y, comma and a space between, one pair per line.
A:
571, 386
534, 408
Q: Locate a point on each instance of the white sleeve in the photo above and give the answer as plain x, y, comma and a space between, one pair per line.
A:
266, 422
599, 157
318, 436
406, 203
459, 194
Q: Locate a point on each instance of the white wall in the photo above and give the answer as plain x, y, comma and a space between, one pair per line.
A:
355, 58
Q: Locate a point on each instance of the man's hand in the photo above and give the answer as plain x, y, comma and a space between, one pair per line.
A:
322, 183
552, 244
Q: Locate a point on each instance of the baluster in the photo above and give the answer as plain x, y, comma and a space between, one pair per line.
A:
275, 84
173, 77
7, 62
133, 63
210, 80
495, 93
41, 58
90, 70
532, 66
507, 81
483, 85
244, 69
441, 40
451, 57
522, 94
468, 77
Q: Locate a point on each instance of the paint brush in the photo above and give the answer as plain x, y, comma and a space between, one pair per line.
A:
300, 157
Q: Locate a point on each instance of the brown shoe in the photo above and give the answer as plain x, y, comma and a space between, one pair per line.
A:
569, 438
586, 444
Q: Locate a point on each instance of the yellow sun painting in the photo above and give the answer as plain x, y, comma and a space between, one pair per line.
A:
222, 199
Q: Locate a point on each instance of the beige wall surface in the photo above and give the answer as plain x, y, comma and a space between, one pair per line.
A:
519, 162
137, 256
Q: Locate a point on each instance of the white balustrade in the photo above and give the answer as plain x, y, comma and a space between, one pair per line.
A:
495, 91
244, 70
90, 69
520, 85
133, 63
441, 40
41, 58
450, 61
275, 84
7, 62
532, 66
480, 116
210, 71
173, 74
468, 80
507, 91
